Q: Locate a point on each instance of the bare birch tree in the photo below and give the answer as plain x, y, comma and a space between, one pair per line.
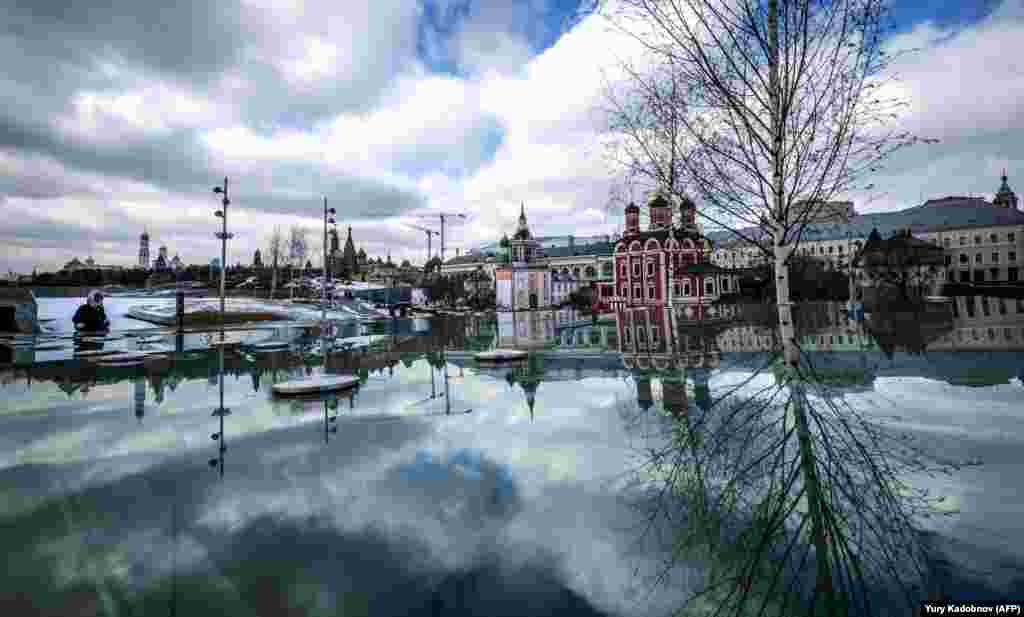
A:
275, 253
762, 109
788, 499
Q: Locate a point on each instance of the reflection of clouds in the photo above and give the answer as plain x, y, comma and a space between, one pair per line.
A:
951, 425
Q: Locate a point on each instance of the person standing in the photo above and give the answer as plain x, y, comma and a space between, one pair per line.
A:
91, 316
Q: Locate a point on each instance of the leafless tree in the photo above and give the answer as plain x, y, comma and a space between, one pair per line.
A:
789, 500
761, 109
275, 253
298, 247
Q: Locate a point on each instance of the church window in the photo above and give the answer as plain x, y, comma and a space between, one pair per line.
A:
636, 268
654, 334
650, 291
977, 258
725, 284
995, 258
677, 289
963, 240
1011, 237
1012, 256
963, 258
650, 268
993, 238
638, 292
977, 239
622, 269
686, 288
709, 287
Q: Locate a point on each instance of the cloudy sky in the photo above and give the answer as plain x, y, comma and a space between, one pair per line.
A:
120, 116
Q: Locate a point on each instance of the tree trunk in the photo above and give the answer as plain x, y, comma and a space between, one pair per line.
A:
782, 251
273, 281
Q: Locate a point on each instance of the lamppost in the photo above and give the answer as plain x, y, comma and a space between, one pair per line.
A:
224, 236
219, 413
328, 219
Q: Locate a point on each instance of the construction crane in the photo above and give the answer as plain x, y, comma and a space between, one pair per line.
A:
430, 234
444, 216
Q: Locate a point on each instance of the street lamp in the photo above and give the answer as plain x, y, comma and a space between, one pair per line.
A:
224, 236
328, 219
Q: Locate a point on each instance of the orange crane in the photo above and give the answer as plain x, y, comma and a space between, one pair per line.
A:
430, 234
443, 216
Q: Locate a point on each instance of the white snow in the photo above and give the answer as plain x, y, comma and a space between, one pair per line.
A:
318, 383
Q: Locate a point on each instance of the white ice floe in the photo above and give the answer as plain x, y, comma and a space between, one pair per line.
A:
501, 355
164, 313
319, 383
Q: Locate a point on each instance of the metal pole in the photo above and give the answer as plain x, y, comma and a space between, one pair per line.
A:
323, 312
223, 251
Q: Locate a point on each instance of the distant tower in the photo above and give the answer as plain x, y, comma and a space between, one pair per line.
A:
161, 262
144, 250
1005, 198
348, 255
257, 259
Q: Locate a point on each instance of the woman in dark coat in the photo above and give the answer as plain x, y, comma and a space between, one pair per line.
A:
91, 316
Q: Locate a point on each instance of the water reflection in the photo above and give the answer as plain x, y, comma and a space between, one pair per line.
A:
788, 492
440, 486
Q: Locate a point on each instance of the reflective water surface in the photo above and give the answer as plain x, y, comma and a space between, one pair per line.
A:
180, 485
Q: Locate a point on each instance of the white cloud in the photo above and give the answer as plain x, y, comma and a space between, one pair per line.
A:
416, 131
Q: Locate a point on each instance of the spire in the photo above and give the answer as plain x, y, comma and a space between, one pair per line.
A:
1005, 197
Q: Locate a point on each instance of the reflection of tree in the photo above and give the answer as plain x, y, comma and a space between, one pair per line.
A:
796, 502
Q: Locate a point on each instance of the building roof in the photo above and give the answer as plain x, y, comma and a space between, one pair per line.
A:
703, 268
594, 248
663, 234
953, 212
900, 249
464, 260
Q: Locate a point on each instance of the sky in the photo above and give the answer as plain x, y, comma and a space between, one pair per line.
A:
121, 116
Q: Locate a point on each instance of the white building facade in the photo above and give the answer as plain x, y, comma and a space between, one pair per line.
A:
525, 281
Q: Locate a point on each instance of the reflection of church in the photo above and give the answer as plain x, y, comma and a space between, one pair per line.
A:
672, 352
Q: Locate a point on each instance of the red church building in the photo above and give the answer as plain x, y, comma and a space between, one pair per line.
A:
665, 269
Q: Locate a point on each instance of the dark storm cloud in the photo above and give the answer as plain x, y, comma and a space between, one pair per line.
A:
352, 198
176, 161
186, 38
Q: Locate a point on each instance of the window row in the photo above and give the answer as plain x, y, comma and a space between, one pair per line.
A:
641, 334
679, 289
992, 237
1011, 256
